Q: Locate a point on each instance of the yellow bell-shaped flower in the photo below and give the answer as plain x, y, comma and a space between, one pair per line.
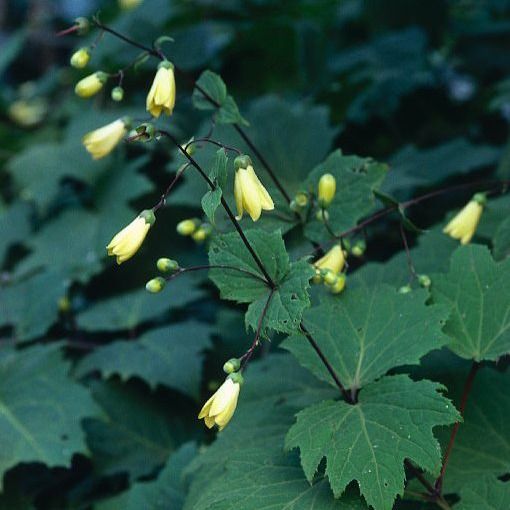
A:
91, 84
127, 242
220, 408
249, 193
100, 142
327, 190
161, 96
463, 225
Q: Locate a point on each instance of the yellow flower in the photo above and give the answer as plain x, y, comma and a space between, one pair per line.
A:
333, 261
102, 141
220, 408
91, 84
161, 96
327, 189
126, 243
249, 193
80, 58
463, 225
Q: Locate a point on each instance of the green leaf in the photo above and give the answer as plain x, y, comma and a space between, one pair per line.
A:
290, 298
128, 310
485, 494
210, 202
210, 85
478, 291
171, 355
31, 305
40, 408
367, 331
167, 492
369, 441
501, 240
356, 179
218, 175
482, 445
14, 226
137, 433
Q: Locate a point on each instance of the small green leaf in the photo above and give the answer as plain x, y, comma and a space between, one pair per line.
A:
367, 331
211, 93
369, 441
210, 202
485, 494
478, 291
218, 175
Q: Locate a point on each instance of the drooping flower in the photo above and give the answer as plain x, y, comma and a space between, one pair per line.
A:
333, 260
127, 242
220, 408
161, 96
80, 58
100, 142
91, 84
327, 190
463, 224
249, 193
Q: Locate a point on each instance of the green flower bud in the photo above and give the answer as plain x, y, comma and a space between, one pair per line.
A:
166, 265
359, 248
117, 94
301, 199
232, 365
200, 235
330, 278
149, 216
322, 215
236, 377
80, 58
339, 285
145, 132
405, 289
186, 227
83, 25
327, 190
424, 280
480, 198
155, 285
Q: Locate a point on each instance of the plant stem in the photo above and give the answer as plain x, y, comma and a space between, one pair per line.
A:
410, 264
229, 212
249, 353
438, 486
327, 364
164, 196
432, 495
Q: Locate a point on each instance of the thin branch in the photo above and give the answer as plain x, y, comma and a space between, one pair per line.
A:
327, 364
164, 196
229, 212
465, 394
214, 142
183, 270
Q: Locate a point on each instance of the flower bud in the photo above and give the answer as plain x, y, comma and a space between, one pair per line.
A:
232, 365
186, 227
405, 289
301, 199
83, 25
330, 278
200, 235
166, 265
80, 59
236, 377
242, 161
117, 94
91, 84
322, 215
359, 248
155, 285
144, 132
424, 280
339, 285
327, 190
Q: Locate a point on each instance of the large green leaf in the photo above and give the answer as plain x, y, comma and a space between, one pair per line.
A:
356, 178
128, 310
292, 280
367, 331
478, 291
136, 434
170, 355
167, 492
40, 408
485, 494
369, 441
31, 305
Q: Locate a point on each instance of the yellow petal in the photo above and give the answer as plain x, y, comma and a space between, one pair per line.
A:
206, 407
250, 194
265, 199
238, 195
223, 397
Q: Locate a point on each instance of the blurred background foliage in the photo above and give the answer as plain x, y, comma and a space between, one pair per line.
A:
424, 86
